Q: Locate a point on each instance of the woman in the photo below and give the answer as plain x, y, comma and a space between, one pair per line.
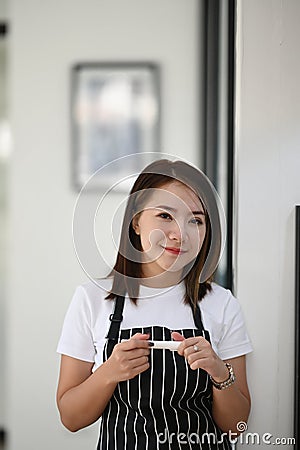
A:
159, 290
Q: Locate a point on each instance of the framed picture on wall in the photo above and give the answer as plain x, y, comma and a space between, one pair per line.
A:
115, 111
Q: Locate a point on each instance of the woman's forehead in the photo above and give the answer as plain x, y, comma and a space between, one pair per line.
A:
174, 194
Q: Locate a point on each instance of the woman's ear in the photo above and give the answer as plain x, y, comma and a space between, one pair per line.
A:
135, 225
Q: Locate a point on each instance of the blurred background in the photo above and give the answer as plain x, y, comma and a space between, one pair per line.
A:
245, 135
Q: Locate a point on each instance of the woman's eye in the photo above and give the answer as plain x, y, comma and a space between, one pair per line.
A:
165, 216
197, 221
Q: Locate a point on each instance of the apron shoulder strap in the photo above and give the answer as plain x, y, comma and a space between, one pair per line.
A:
116, 318
198, 322
197, 317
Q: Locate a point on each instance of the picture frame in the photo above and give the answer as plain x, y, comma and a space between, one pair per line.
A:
115, 112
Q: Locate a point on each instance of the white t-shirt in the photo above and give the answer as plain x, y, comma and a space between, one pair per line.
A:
87, 320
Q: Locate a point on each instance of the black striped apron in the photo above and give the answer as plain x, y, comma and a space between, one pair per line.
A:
166, 407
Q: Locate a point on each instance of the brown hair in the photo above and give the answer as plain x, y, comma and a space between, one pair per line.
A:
128, 268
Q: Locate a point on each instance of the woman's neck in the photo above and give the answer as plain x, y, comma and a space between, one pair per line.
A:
163, 280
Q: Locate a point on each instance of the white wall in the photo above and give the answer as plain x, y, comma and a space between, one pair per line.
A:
3, 10
46, 38
268, 147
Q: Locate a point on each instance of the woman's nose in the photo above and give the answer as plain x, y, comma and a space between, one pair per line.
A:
177, 232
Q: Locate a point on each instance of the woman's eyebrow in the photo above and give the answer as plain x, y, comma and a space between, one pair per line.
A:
169, 208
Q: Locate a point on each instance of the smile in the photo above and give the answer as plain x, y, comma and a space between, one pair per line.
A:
174, 250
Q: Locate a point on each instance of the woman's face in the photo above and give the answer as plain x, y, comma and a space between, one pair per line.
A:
172, 229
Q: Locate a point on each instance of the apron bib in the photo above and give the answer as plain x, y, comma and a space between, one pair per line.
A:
167, 407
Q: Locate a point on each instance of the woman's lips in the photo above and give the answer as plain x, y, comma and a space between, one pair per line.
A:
174, 250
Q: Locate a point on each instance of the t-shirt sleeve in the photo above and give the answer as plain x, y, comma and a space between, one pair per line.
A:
76, 339
234, 340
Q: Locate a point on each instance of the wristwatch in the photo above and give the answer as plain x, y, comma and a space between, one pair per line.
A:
228, 382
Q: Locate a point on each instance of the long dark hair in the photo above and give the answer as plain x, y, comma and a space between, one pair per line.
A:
128, 268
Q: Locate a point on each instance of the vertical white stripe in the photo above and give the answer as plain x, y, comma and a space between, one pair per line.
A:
108, 415
186, 384
106, 426
126, 416
129, 402
162, 382
151, 393
208, 414
134, 429
174, 390
118, 405
206, 430
131, 407
116, 422
100, 435
139, 405
205, 408
193, 396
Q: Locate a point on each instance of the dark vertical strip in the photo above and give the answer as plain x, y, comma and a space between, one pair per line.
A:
2, 437
212, 95
230, 141
203, 64
3, 36
297, 330
211, 65
3, 29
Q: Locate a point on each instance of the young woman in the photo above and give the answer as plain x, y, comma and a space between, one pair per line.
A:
160, 289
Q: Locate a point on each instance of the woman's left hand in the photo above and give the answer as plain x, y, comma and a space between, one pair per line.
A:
199, 354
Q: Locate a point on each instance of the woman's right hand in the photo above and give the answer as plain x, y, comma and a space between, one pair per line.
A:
129, 358
82, 395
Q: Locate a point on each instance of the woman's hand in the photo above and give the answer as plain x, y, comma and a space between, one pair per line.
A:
200, 355
231, 405
129, 358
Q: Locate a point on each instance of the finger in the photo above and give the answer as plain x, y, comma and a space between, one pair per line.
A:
195, 344
133, 368
199, 363
141, 336
137, 341
177, 336
205, 362
140, 339
138, 353
139, 369
138, 362
195, 356
190, 351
